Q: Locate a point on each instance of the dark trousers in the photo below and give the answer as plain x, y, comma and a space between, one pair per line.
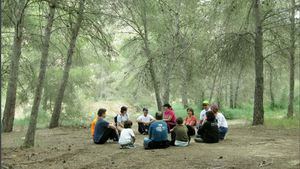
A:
143, 128
150, 144
108, 134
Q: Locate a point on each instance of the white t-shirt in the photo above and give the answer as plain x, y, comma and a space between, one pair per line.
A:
126, 136
146, 119
121, 118
221, 120
203, 114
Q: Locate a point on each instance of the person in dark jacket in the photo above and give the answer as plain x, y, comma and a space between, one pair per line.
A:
209, 132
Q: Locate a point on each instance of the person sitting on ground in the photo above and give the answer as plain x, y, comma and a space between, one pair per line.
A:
208, 132
144, 122
190, 121
103, 129
179, 134
206, 108
121, 118
169, 116
127, 137
221, 120
158, 134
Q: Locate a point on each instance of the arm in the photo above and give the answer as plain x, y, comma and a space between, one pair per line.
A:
168, 119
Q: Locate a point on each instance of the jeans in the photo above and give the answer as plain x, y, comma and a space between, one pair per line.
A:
150, 144
222, 132
143, 128
108, 134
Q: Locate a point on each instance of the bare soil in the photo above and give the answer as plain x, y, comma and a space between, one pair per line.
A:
71, 148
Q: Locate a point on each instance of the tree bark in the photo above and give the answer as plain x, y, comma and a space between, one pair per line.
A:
231, 99
58, 102
292, 62
258, 114
10, 104
236, 94
272, 105
213, 88
150, 59
29, 139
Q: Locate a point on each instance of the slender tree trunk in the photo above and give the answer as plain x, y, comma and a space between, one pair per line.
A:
236, 94
272, 105
150, 59
213, 88
29, 139
231, 99
166, 93
10, 104
58, 102
258, 114
292, 62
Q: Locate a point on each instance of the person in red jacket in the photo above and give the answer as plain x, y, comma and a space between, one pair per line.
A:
169, 116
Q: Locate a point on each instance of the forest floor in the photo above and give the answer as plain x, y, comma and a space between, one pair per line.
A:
71, 148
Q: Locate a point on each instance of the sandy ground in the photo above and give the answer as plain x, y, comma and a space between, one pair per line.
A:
71, 148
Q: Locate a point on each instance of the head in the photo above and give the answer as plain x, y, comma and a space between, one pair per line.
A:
167, 106
190, 111
179, 120
205, 104
145, 111
127, 124
214, 108
158, 116
210, 116
123, 110
102, 112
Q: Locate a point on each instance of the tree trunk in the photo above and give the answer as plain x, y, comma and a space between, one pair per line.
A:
236, 94
231, 104
151, 59
166, 93
10, 104
292, 62
58, 102
272, 105
29, 139
213, 88
258, 114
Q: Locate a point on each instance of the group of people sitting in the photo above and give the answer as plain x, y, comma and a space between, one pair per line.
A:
210, 128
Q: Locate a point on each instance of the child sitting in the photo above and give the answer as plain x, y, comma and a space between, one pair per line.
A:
208, 132
127, 137
179, 134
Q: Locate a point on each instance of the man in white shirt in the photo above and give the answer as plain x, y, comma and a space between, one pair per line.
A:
206, 108
221, 120
144, 121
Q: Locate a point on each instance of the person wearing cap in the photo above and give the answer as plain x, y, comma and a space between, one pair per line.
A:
206, 108
169, 116
144, 121
221, 120
121, 118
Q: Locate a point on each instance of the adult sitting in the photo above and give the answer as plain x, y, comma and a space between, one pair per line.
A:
169, 116
121, 118
208, 132
206, 108
144, 121
190, 121
221, 120
103, 129
158, 134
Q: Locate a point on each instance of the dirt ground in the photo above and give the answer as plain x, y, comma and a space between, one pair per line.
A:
71, 148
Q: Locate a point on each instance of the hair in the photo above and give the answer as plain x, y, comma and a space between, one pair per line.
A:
190, 109
127, 124
145, 110
123, 109
158, 116
210, 116
167, 105
214, 108
101, 111
179, 120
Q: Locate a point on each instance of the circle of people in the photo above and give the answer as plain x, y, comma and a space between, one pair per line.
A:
211, 127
